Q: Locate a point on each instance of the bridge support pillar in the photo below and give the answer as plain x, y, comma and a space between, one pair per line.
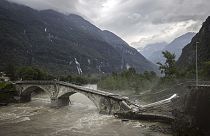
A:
60, 102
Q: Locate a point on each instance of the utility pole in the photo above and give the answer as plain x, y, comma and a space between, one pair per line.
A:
196, 56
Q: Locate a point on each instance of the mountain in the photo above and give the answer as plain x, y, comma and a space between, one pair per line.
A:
187, 58
179, 43
130, 57
62, 44
149, 49
175, 46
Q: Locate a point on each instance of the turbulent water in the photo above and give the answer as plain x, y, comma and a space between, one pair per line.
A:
81, 118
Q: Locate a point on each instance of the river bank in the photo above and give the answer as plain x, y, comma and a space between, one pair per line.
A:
7, 93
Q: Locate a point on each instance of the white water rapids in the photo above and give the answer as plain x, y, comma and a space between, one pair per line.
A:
81, 118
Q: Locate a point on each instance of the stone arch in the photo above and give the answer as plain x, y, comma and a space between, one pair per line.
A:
68, 94
94, 98
105, 105
28, 90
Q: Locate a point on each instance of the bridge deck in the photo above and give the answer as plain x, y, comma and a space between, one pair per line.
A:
80, 88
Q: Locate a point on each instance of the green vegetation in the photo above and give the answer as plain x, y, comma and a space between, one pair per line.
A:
31, 73
7, 91
189, 72
26, 73
169, 68
34, 73
128, 80
205, 72
11, 71
81, 79
133, 82
6, 86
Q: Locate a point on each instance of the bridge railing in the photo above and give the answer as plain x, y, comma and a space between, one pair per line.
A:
199, 83
36, 81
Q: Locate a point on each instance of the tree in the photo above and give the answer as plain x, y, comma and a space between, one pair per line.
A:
149, 75
130, 73
168, 68
31, 73
11, 71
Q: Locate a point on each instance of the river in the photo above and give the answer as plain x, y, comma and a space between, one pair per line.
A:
80, 118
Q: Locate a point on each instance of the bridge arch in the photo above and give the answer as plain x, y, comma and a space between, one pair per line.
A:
27, 91
103, 103
31, 89
93, 98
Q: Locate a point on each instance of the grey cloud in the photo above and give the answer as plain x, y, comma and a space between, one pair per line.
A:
134, 19
64, 6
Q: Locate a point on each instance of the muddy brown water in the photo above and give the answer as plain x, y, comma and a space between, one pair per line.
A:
81, 118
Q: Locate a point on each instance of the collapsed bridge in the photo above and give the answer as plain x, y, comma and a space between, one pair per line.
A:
60, 91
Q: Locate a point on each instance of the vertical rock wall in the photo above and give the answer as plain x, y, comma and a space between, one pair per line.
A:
192, 112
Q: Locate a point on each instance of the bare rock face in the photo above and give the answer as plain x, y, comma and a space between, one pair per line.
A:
192, 112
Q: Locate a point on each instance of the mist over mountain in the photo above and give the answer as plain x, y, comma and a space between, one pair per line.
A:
62, 44
175, 47
150, 49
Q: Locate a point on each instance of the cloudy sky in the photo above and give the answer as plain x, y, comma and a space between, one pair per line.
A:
138, 22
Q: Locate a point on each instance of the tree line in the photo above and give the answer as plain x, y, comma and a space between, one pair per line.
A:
35, 73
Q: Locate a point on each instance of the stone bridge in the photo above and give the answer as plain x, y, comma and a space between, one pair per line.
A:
59, 93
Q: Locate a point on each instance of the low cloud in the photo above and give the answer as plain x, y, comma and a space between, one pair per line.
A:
137, 22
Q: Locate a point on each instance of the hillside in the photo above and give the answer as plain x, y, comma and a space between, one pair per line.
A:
179, 43
175, 46
61, 44
150, 49
130, 57
187, 58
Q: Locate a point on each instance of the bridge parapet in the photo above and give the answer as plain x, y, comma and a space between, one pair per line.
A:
193, 83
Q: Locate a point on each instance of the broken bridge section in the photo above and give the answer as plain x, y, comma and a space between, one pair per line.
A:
59, 92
